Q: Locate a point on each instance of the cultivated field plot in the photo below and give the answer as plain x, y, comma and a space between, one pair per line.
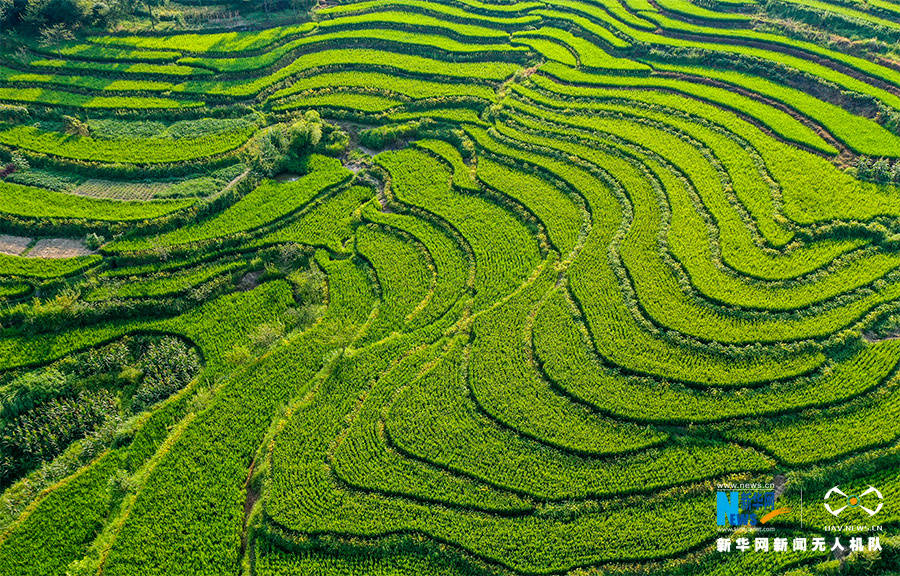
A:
420, 287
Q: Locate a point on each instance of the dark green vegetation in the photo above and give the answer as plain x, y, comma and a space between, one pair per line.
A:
45, 410
421, 287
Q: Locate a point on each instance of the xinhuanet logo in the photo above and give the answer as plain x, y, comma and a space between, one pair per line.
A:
747, 507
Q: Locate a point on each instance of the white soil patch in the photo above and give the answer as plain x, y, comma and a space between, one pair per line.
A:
13, 245
58, 248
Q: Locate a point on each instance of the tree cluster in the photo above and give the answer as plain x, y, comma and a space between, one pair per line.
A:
282, 147
57, 19
43, 411
880, 171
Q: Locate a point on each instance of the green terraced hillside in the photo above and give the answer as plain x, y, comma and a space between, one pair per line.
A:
450, 287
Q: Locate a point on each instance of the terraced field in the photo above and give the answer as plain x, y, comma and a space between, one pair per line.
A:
454, 287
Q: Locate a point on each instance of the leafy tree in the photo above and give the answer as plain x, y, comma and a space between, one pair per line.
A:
151, 4
55, 35
75, 126
7, 13
881, 170
94, 241
283, 145
20, 161
863, 167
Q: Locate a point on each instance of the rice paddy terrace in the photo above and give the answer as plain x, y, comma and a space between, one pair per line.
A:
547, 274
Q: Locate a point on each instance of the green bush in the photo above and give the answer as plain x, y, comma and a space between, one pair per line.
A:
43, 432
30, 390
168, 366
94, 241
284, 145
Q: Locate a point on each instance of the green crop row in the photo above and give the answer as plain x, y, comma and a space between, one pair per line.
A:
559, 214
407, 40
163, 285
32, 202
44, 267
202, 42
268, 202
119, 68
549, 49
455, 115
391, 17
9, 75
656, 285
450, 266
472, 5
695, 11
413, 88
345, 100
404, 275
59, 98
587, 25
504, 251
438, 8
463, 177
776, 120
609, 12
827, 433
133, 150
328, 224
88, 51
561, 346
489, 71
616, 332
589, 55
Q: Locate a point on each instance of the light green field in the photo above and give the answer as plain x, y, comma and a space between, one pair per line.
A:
470, 288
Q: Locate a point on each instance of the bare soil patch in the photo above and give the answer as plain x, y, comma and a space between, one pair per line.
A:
249, 281
872, 337
13, 245
58, 248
